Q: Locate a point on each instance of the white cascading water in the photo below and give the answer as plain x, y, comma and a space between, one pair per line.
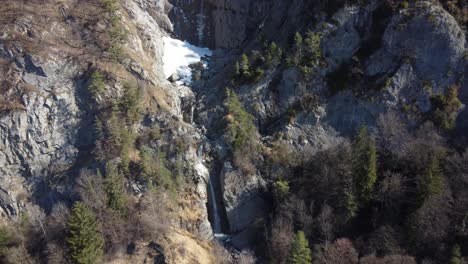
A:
214, 205
201, 23
216, 220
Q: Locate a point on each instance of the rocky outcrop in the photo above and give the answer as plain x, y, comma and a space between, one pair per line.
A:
244, 203
242, 197
428, 36
44, 138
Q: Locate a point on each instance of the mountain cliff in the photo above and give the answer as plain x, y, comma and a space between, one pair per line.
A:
338, 122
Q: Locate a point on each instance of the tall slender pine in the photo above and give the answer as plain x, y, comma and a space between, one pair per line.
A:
364, 166
300, 252
83, 236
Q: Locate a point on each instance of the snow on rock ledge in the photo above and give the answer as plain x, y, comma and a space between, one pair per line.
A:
178, 55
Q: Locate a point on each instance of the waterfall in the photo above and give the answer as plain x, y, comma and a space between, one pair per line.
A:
201, 23
192, 111
213, 203
214, 206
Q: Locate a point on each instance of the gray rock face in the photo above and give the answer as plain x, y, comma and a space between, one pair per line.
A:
44, 137
242, 195
420, 56
212, 23
228, 24
345, 39
432, 39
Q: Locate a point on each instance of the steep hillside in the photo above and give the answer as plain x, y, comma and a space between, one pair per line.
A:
84, 95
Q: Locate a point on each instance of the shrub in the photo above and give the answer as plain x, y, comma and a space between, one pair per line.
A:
115, 52
386, 84
281, 189
110, 6
5, 240
445, 109
97, 84
258, 75
154, 170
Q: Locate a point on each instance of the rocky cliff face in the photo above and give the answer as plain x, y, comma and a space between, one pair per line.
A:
230, 24
401, 65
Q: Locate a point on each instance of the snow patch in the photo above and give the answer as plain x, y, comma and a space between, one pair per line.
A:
201, 169
178, 55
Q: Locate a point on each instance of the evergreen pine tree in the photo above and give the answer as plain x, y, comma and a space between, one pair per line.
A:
83, 237
350, 204
237, 72
100, 150
273, 54
456, 255
114, 126
297, 53
245, 66
114, 188
431, 182
364, 166
300, 252
312, 49
129, 103
241, 125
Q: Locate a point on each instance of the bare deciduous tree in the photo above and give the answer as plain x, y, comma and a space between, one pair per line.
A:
391, 259
325, 223
281, 236
341, 251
